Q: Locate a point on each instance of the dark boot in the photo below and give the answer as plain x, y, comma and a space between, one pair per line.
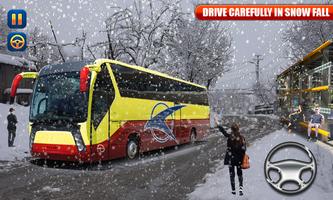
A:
241, 191
240, 180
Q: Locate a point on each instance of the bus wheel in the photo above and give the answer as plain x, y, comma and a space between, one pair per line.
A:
132, 148
193, 136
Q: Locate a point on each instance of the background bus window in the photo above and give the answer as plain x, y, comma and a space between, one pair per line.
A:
287, 103
306, 100
295, 102
316, 98
316, 79
325, 74
324, 99
295, 81
281, 85
331, 96
305, 81
287, 82
331, 71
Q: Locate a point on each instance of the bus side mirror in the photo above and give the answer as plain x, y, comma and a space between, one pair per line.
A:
84, 73
15, 84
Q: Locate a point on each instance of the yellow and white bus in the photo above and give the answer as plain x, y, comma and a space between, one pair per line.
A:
108, 109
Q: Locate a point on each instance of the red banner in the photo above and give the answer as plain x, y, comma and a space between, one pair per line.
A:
264, 12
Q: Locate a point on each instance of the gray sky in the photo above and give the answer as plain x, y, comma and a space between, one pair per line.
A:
69, 17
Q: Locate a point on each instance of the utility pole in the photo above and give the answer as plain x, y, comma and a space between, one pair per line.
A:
256, 61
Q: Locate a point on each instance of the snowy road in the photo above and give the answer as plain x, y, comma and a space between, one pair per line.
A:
172, 174
217, 185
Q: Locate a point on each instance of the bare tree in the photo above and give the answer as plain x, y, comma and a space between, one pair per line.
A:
42, 50
266, 92
301, 37
57, 44
159, 35
198, 51
39, 49
4, 29
137, 34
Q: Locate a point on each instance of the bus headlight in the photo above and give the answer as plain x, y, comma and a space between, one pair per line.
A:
79, 141
32, 138
80, 145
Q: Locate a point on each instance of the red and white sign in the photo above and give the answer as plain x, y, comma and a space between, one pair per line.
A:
264, 12
100, 148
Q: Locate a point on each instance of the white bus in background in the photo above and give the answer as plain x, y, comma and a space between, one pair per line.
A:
23, 96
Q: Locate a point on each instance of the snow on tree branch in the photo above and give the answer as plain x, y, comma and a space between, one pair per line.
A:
302, 37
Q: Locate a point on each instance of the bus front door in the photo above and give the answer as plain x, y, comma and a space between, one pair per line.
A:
103, 96
101, 125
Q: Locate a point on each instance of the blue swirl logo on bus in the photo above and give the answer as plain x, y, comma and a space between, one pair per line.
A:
158, 122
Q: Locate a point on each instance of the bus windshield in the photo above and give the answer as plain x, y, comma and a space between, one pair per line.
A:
58, 97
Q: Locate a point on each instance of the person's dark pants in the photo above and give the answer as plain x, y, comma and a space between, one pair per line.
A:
11, 137
232, 176
330, 126
293, 126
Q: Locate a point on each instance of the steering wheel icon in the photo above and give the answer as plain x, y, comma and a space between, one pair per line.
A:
290, 170
17, 41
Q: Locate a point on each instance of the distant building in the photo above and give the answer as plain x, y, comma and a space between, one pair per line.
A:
9, 67
233, 101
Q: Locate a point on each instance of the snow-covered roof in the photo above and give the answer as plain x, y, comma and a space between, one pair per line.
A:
16, 61
71, 51
19, 91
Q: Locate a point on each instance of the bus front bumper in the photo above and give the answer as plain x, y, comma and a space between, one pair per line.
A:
59, 152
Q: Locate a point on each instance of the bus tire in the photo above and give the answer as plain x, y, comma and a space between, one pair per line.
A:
132, 148
193, 136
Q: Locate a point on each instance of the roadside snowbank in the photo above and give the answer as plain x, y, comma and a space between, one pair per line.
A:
21, 143
217, 185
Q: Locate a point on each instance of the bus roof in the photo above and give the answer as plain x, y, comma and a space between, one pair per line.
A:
100, 61
309, 56
63, 67
77, 66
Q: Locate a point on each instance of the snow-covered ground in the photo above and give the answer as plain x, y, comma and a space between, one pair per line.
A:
21, 143
217, 184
